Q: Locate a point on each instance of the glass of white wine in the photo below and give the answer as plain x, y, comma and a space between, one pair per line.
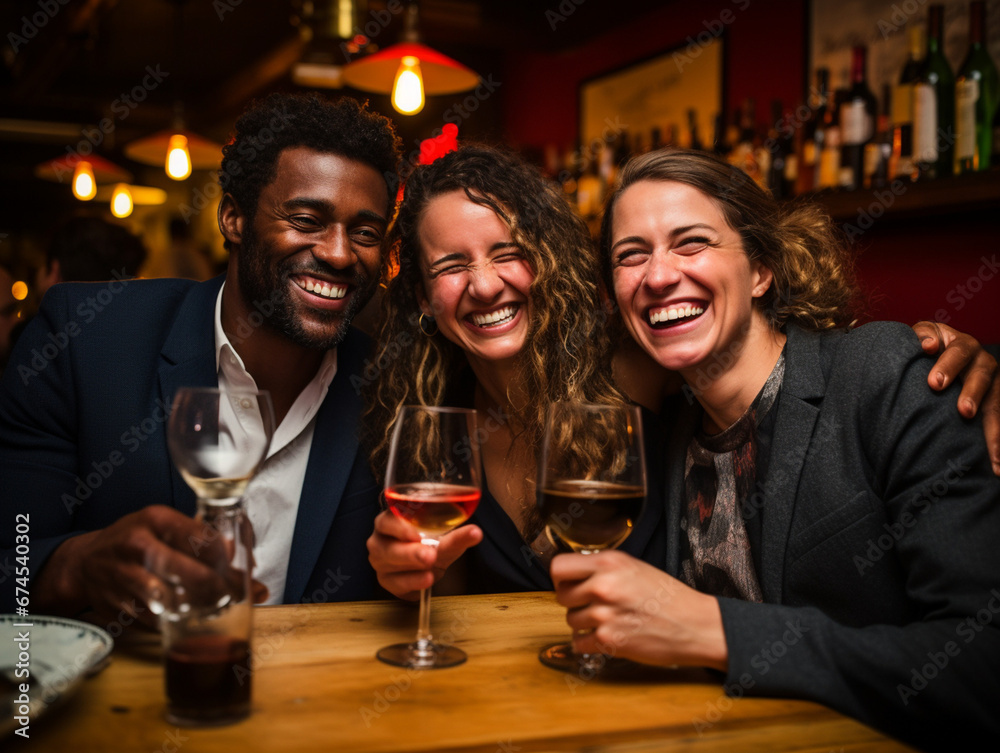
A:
591, 491
217, 440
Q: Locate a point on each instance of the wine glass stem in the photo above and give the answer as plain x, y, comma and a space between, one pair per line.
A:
590, 662
424, 639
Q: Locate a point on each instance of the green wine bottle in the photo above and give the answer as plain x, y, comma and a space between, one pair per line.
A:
934, 104
976, 92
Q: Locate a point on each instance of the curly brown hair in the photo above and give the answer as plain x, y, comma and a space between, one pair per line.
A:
567, 355
814, 280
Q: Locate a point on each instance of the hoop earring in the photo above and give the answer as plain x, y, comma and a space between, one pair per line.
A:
427, 325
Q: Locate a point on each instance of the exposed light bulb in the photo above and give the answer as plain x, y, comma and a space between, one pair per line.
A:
345, 19
121, 201
178, 157
408, 88
19, 290
84, 185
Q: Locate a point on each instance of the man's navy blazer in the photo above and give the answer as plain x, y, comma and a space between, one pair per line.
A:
83, 408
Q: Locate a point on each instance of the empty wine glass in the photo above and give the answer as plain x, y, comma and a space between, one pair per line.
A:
591, 490
217, 440
432, 481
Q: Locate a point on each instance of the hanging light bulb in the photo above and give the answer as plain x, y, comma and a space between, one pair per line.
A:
121, 201
84, 185
408, 88
178, 157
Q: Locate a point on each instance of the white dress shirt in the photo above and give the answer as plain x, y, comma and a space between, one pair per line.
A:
271, 501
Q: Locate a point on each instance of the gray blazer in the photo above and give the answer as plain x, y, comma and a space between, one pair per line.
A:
880, 546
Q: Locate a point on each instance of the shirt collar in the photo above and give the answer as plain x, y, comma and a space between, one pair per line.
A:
229, 362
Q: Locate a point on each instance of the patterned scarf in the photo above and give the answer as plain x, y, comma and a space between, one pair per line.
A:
719, 472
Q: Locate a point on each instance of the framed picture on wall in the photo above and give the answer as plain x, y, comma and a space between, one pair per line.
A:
837, 25
659, 97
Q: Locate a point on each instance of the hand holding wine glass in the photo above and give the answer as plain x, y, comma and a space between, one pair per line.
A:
591, 490
433, 483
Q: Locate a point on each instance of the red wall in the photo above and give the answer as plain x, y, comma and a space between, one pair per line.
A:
946, 269
912, 269
541, 89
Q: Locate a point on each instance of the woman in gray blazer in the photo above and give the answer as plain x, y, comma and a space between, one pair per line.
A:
832, 524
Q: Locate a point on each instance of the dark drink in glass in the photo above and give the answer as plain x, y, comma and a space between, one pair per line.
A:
208, 680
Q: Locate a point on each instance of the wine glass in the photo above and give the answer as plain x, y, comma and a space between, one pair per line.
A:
217, 440
432, 482
591, 491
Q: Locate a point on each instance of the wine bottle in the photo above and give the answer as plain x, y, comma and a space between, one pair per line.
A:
780, 150
810, 136
569, 176
995, 160
695, 139
590, 190
673, 137
903, 165
655, 141
857, 120
720, 136
829, 159
744, 154
638, 146
878, 152
934, 104
622, 150
976, 91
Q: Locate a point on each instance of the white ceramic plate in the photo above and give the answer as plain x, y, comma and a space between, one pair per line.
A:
62, 653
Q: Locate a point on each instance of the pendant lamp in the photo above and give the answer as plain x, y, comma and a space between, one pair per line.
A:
409, 71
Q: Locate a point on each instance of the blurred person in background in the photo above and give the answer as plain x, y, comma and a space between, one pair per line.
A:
184, 256
89, 249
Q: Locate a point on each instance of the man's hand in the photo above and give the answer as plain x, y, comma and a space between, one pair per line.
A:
124, 571
405, 566
621, 606
962, 357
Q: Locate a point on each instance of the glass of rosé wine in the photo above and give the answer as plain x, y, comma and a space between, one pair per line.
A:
432, 482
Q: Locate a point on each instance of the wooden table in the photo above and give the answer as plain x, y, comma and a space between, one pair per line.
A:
317, 686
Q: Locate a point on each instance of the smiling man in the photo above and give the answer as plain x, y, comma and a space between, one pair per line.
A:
309, 188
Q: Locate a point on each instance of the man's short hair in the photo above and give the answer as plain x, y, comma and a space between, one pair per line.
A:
283, 121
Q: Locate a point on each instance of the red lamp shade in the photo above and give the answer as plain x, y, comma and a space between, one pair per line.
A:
441, 74
61, 168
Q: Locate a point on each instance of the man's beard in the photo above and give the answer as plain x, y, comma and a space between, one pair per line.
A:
262, 281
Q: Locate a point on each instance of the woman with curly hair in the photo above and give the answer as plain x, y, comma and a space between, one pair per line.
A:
832, 523
496, 305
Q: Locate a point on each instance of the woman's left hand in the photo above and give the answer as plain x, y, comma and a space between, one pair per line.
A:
962, 357
623, 607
